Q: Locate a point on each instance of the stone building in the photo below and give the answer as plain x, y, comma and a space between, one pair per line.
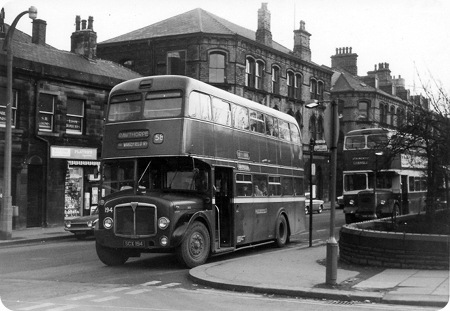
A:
57, 110
251, 64
374, 100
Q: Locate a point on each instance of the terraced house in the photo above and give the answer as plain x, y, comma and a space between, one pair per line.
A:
248, 63
57, 119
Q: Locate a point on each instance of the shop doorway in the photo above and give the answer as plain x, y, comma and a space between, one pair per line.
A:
35, 195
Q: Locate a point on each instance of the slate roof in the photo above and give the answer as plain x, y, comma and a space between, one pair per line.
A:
194, 21
344, 81
48, 55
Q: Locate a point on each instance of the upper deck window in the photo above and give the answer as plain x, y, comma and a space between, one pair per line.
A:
240, 117
257, 121
377, 141
284, 130
124, 107
199, 106
355, 142
221, 112
162, 104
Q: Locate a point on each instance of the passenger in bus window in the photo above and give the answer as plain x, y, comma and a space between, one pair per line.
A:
258, 192
263, 188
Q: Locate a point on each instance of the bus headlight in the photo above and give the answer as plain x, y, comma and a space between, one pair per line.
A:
68, 224
163, 223
163, 241
351, 202
108, 223
382, 202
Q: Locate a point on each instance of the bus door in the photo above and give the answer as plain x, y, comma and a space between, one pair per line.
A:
223, 183
404, 197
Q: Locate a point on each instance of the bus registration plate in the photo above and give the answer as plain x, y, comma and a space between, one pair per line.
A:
134, 243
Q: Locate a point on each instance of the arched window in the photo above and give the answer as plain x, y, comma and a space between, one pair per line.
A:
312, 127
275, 79
392, 115
313, 88
217, 67
363, 110
320, 89
254, 71
382, 113
291, 84
250, 69
298, 86
320, 128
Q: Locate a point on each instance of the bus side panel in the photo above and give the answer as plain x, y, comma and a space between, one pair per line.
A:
286, 154
244, 228
199, 137
417, 201
222, 143
120, 138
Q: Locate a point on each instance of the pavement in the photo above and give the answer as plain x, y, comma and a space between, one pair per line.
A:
298, 271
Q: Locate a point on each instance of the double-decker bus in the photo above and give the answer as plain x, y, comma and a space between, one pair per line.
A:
400, 186
195, 170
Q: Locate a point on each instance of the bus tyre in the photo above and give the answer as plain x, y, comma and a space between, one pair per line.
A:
195, 247
282, 231
110, 256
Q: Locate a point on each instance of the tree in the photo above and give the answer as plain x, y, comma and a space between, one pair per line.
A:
425, 132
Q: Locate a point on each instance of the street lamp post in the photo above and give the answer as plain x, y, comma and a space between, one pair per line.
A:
312, 142
375, 203
332, 246
6, 211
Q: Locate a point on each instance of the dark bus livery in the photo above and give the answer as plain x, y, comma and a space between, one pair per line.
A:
193, 169
400, 186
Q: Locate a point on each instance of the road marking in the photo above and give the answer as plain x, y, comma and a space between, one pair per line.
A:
115, 290
108, 298
62, 308
138, 291
81, 297
168, 285
43, 305
151, 283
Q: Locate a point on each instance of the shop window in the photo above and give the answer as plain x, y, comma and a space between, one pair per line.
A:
46, 112
75, 116
3, 107
176, 63
217, 67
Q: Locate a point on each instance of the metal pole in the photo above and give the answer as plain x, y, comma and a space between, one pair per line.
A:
311, 150
7, 211
332, 246
375, 188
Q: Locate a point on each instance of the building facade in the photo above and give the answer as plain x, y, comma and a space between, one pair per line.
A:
251, 64
374, 100
57, 119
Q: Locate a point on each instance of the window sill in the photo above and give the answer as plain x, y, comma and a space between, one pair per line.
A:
50, 134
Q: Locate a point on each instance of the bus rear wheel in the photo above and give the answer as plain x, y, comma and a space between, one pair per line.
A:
195, 248
282, 231
110, 256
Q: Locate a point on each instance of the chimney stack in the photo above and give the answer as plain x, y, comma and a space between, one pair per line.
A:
39, 31
301, 43
345, 59
263, 34
84, 40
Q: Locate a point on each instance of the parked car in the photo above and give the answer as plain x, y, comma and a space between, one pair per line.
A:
340, 202
82, 226
317, 204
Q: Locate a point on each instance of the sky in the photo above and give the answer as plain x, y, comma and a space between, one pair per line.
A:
411, 35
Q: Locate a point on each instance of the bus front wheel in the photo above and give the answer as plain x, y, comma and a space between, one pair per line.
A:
282, 231
195, 248
110, 256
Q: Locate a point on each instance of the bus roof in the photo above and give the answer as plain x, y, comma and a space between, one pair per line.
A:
181, 82
367, 131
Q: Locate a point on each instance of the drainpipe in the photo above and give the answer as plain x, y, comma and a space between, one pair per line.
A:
47, 164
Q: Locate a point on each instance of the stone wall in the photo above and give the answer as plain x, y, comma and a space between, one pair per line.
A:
360, 245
